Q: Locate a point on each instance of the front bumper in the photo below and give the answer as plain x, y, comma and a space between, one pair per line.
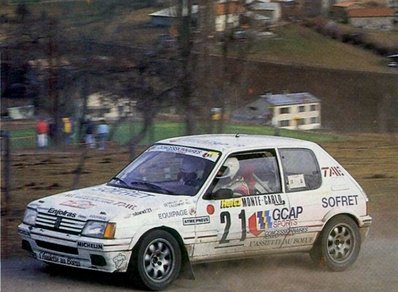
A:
107, 255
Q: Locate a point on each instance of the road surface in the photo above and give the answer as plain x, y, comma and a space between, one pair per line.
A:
375, 270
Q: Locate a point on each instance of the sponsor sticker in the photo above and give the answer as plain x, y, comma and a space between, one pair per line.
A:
90, 245
209, 155
119, 260
340, 201
45, 256
296, 181
80, 204
173, 214
196, 220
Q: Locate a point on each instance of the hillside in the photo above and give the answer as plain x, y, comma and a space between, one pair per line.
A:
129, 24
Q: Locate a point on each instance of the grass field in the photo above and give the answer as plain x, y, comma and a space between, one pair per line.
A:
296, 44
24, 138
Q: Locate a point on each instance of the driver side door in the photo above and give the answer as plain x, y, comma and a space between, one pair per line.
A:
239, 225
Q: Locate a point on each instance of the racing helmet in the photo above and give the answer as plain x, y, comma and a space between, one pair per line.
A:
229, 168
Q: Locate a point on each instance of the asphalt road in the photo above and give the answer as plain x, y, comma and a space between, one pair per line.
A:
375, 270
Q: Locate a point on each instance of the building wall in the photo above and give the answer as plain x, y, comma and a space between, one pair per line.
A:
300, 116
232, 21
374, 23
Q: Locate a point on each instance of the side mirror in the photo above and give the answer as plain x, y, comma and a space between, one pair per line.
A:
222, 194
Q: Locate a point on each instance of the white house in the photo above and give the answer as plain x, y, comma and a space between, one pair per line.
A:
167, 16
378, 18
106, 107
289, 111
225, 14
266, 12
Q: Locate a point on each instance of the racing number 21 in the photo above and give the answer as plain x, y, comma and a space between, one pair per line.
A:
225, 218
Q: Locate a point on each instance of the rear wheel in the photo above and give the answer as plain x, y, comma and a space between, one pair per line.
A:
157, 260
339, 244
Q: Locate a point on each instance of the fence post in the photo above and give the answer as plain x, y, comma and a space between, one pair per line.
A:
5, 185
5, 154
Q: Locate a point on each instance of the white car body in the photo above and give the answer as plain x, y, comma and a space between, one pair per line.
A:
207, 228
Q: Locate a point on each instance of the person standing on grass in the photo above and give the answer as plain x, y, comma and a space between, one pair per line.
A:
67, 130
90, 131
42, 133
102, 132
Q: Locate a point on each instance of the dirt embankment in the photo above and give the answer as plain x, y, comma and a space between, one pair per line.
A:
371, 159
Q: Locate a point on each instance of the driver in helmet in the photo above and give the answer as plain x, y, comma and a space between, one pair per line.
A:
188, 172
228, 178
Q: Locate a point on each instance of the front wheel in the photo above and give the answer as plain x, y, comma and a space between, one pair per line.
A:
339, 245
157, 260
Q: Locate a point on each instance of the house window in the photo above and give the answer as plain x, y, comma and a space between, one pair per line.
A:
301, 122
313, 107
301, 108
315, 120
284, 110
284, 123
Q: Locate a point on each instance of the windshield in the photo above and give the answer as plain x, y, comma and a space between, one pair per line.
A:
168, 169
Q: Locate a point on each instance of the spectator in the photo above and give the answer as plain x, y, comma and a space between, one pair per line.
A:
67, 130
90, 138
42, 133
102, 132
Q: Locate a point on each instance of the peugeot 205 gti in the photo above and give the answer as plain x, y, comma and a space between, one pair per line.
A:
204, 198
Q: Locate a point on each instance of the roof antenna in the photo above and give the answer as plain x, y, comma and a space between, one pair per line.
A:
237, 135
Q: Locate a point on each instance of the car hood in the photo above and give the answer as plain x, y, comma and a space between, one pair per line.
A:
106, 203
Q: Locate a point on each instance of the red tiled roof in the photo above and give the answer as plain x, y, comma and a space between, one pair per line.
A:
345, 4
371, 12
229, 7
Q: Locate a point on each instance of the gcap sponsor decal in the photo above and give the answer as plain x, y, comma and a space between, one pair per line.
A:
196, 220
277, 218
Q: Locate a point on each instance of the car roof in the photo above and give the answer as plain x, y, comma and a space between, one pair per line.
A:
236, 142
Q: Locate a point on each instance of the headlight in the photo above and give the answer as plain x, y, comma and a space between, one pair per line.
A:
30, 216
99, 229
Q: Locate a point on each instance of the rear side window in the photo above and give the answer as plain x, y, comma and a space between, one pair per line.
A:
301, 169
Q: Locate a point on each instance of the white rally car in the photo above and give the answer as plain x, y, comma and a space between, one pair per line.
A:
203, 198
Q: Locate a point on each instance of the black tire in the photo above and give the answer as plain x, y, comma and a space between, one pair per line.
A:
157, 260
339, 244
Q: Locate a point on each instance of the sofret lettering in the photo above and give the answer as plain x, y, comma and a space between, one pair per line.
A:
340, 201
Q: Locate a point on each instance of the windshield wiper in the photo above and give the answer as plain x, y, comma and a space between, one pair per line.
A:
151, 186
119, 180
